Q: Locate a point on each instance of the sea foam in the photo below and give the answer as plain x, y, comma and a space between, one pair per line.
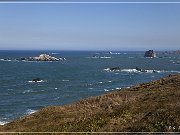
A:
133, 70
36, 81
97, 57
30, 111
3, 122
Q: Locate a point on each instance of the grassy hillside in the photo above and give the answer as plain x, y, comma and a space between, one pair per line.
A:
153, 107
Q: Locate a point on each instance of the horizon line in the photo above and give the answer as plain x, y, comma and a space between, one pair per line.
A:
89, 50
79, 2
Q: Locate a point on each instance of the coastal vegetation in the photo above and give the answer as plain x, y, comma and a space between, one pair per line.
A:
147, 107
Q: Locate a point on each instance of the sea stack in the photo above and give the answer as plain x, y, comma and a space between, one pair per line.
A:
150, 54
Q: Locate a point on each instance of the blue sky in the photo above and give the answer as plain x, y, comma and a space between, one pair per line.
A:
90, 26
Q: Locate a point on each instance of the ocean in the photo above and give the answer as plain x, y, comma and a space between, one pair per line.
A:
83, 74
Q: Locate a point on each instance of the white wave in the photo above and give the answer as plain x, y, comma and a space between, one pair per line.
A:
172, 71
27, 91
55, 88
5, 60
107, 69
8, 60
65, 80
36, 81
94, 57
90, 88
3, 122
112, 89
104, 57
116, 69
30, 111
56, 98
114, 53
138, 71
129, 70
54, 53
100, 82
148, 71
97, 57
143, 71
106, 90
153, 71
39, 61
109, 81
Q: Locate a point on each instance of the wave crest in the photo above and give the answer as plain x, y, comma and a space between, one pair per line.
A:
133, 70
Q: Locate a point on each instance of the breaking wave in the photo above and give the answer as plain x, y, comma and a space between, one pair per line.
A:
97, 57
36, 81
114, 53
30, 111
140, 71
9, 60
3, 122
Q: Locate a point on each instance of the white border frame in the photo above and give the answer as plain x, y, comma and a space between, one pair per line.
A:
44, 2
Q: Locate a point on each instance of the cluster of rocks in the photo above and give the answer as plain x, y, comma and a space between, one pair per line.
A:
150, 54
43, 57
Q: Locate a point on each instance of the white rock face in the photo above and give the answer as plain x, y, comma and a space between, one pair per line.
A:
45, 57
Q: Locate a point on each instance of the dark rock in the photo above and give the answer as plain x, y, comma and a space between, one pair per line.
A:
36, 79
22, 58
154, 71
150, 54
115, 68
141, 70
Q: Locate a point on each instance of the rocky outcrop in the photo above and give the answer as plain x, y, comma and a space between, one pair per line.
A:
45, 57
42, 57
150, 54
